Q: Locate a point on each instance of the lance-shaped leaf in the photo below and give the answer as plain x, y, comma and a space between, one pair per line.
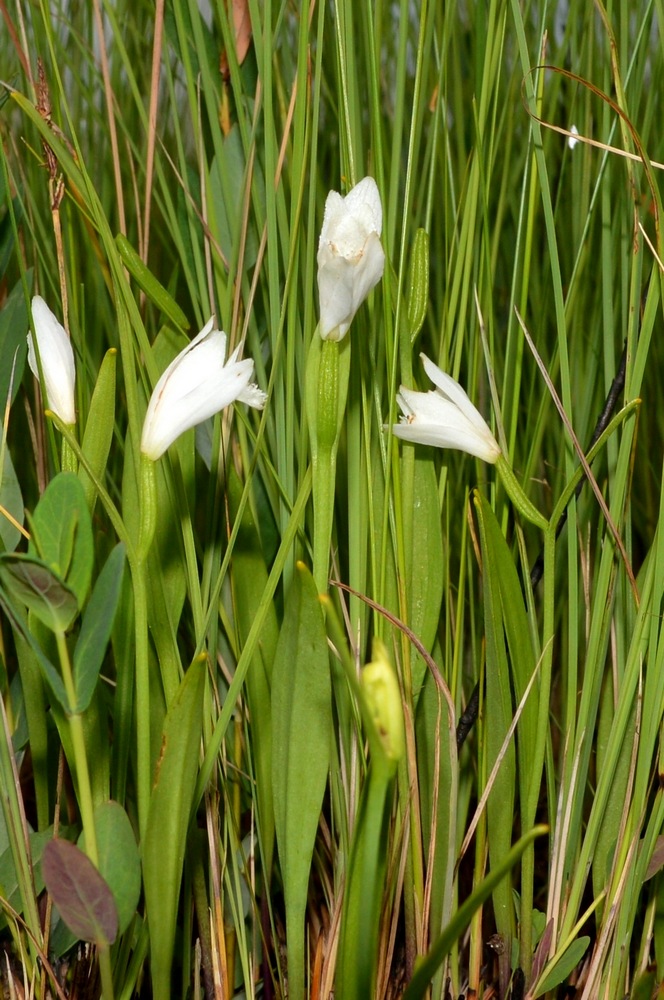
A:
301, 735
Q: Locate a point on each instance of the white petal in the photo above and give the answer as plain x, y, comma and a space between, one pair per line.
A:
195, 386
451, 389
363, 201
57, 360
432, 419
350, 256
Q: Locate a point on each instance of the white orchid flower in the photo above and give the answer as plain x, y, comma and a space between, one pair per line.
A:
350, 256
444, 417
57, 361
195, 386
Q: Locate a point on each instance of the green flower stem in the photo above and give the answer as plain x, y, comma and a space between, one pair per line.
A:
68, 459
143, 769
516, 494
84, 790
136, 559
78, 743
147, 493
148, 522
328, 371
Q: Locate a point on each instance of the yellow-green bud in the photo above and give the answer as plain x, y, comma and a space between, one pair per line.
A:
383, 698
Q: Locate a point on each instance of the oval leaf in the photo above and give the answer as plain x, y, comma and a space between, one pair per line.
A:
34, 584
80, 893
62, 533
119, 860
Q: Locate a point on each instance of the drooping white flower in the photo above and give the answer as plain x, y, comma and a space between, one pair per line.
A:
350, 255
57, 361
197, 384
444, 417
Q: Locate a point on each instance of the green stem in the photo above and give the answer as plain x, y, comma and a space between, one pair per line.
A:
516, 494
80, 756
84, 790
143, 769
68, 459
147, 488
328, 370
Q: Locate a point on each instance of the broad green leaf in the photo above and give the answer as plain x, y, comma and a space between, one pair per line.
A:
301, 736
119, 859
11, 500
99, 427
36, 585
168, 820
62, 533
96, 627
80, 893
567, 961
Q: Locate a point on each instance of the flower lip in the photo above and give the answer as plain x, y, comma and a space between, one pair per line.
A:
198, 383
350, 255
57, 361
444, 417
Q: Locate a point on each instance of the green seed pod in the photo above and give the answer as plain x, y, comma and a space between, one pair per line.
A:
418, 283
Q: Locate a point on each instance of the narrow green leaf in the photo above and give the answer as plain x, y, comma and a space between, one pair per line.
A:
96, 627
498, 715
249, 583
168, 820
426, 968
14, 326
147, 282
99, 427
301, 736
364, 891
425, 565
20, 625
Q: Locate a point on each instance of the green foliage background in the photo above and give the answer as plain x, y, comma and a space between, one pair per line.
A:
226, 717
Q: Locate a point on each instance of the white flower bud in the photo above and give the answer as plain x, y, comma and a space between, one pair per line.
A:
57, 361
350, 256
